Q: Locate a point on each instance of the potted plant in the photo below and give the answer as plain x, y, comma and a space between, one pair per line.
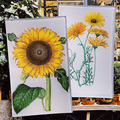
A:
105, 100
75, 100
88, 101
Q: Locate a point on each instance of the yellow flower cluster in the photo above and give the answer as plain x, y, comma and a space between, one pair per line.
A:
93, 19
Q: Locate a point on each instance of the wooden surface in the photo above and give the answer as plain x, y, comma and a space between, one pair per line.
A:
88, 116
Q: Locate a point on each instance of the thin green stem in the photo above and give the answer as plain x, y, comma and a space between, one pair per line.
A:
48, 93
80, 41
94, 64
43, 105
87, 38
73, 77
91, 50
73, 70
75, 73
84, 59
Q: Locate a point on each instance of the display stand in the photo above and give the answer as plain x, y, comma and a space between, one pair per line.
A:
88, 116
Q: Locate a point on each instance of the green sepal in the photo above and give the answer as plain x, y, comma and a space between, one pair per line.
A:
97, 35
42, 93
24, 77
63, 40
23, 96
95, 47
62, 78
12, 37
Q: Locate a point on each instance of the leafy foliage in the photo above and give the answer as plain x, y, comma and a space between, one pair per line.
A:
24, 95
116, 76
12, 37
62, 78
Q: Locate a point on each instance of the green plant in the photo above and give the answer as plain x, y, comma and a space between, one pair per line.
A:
116, 77
13, 9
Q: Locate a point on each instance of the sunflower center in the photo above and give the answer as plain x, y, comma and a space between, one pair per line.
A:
76, 32
39, 52
93, 21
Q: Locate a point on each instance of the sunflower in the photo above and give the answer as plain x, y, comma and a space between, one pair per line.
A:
98, 32
94, 19
38, 52
97, 42
76, 29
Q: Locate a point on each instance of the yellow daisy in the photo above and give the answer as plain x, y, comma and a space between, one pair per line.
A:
97, 42
98, 32
76, 29
94, 19
38, 52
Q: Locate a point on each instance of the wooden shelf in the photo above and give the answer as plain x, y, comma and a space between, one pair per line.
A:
81, 107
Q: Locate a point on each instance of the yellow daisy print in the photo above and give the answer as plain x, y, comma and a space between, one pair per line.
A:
76, 29
98, 32
97, 42
38, 52
94, 19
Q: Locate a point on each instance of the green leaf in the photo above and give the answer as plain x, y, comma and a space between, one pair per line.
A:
78, 72
2, 46
12, 37
63, 40
72, 58
24, 3
24, 77
87, 49
23, 96
117, 82
62, 78
42, 93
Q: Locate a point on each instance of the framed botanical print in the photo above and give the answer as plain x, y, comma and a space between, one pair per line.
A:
38, 62
90, 33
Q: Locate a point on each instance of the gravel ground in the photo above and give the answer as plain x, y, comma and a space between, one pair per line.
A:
5, 111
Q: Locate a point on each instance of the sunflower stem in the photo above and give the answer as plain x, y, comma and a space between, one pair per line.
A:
48, 93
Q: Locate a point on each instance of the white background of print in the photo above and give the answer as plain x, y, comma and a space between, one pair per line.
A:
61, 101
103, 83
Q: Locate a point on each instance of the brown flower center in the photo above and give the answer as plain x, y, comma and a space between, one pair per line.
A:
39, 52
76, 32
93, 21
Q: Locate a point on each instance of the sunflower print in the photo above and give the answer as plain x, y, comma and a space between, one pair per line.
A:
76, 29
97, 42
98, 32
38, 52
94, 19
